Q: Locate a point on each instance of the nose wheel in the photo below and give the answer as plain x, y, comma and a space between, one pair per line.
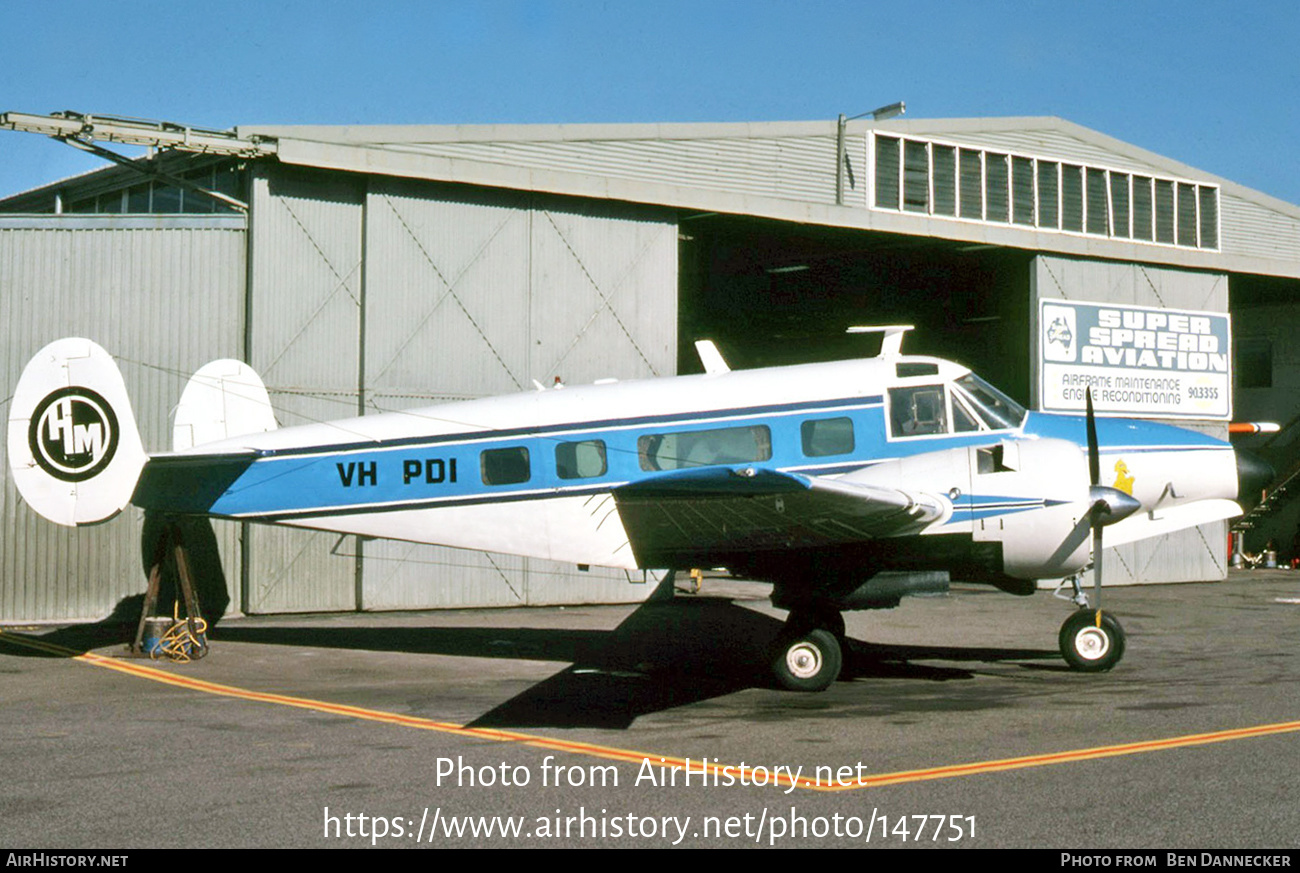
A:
1092, 641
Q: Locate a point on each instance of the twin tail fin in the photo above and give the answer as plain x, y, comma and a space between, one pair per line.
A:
74, 449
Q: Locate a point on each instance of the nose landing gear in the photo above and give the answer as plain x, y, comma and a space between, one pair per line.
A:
1092, 641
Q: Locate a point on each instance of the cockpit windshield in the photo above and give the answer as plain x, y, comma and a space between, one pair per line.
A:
997, 410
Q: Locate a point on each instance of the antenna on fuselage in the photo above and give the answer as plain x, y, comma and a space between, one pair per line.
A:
892, 342
712, 360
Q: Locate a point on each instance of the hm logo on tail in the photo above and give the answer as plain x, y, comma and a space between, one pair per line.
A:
73, 434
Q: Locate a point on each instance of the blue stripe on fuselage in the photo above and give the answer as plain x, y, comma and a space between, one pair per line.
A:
446, 469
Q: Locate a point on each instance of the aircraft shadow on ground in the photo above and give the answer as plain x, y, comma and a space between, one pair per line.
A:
667, 653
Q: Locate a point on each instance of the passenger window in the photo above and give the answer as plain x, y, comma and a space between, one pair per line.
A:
584, 460
918, 411
505, 466
827, 436
702, 448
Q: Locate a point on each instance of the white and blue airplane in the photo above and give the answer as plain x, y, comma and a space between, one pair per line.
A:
816, 478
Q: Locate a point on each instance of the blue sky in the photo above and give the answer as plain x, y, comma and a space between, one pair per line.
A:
1212, 84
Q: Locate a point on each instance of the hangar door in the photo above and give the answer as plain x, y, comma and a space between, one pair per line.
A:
372, 295
164, 295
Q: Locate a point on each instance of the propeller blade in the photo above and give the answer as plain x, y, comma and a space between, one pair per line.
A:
1096, 562
1100, 507
1094, 454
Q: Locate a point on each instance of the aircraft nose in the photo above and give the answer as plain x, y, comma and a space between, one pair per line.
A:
1254, 474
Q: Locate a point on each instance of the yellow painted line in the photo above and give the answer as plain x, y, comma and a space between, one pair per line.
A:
716, 773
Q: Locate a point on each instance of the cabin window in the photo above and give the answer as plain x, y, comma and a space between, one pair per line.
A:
827, 436
505, 466
584, 460
918, 411
701, 448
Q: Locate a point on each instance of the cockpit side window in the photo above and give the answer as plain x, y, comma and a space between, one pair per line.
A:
963, 420
918, 410
997, 410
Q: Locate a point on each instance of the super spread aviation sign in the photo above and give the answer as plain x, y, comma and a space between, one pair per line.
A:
1137, 361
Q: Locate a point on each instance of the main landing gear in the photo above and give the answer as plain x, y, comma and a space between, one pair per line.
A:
1092, 641
807, 654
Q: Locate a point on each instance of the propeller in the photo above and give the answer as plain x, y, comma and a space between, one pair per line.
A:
1091, 641
1109, 505
1099, 506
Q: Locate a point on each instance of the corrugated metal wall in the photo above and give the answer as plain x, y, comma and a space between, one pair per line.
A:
795, 168
425, 292
305, 287
1255, 230
1192, 555
164, 295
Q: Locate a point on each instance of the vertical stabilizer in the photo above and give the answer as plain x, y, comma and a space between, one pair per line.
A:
74, 450
223, 399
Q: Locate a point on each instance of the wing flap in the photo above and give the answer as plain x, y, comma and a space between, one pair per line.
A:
699, 516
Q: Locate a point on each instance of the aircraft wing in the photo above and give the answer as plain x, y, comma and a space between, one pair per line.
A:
1141, 525
689, 517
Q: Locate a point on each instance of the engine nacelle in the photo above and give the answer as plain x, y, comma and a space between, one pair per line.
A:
1029, 495
1032, 497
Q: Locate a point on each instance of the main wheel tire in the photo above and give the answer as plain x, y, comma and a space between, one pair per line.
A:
1089, 645
806, 661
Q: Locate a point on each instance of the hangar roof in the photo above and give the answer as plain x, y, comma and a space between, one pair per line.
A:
787, 171
902, 176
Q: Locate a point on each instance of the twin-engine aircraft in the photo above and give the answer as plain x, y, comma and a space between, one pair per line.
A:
816, 478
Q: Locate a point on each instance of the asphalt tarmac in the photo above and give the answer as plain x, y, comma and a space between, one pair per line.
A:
955, 724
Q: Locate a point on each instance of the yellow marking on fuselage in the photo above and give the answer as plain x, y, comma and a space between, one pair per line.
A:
1123, 481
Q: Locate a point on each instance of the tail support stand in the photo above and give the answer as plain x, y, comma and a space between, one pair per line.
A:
196, 646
